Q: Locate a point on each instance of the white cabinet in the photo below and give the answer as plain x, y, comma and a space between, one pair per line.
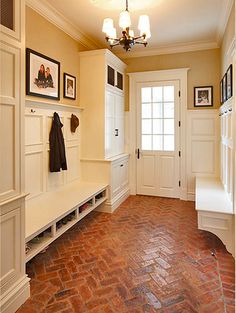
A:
14, 283
102, 96
102, 124
114, 124
119, 176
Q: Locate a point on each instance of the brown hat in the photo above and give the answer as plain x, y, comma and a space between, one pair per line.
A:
74, 123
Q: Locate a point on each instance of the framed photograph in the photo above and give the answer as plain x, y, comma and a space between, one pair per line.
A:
203, 96
221, 92
69, 86
229, 82
42, 75
224, 88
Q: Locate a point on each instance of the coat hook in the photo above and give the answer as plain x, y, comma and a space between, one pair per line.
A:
32, 111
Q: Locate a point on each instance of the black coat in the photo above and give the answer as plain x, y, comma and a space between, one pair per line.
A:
57, 158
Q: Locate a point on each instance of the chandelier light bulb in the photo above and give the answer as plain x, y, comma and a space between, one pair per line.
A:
124, 20
112, 33
143, 24
107, 25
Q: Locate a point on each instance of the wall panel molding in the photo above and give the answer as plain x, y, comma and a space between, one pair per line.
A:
202, 146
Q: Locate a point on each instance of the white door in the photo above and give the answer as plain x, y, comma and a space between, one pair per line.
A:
158, 139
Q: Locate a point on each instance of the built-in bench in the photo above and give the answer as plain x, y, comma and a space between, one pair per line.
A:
215, 210
51, 214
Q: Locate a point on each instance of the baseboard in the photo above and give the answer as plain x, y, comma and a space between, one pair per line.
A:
111, 206
191, 196
16, 296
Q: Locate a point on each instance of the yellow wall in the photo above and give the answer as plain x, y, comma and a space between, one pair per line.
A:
229, 34
204, 69
42, 36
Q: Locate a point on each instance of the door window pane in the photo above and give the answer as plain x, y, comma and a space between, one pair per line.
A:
146, 142
157, 142
169, 93
169, 110
157, 94
146, 110
157, 126
157, 110
169, 125
147, 126
169, 144
146, 94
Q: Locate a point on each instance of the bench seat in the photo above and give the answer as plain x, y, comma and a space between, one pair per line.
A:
215, 210
50, 215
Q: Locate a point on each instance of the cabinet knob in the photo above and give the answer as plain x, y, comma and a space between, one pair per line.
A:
116, 132
121, 165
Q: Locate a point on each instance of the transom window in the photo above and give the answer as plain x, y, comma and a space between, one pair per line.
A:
158, 118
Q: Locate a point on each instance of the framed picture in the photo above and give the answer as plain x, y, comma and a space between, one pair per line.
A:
224, 88
42, 75
203, 96
69, 86
229, 82
221, 92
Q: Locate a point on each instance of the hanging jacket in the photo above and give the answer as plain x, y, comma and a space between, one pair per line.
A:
57, 158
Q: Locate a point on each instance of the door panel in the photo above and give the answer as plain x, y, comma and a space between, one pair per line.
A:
158, 139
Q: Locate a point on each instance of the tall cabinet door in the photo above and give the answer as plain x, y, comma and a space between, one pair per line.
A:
119, 124
110, 124
114, 120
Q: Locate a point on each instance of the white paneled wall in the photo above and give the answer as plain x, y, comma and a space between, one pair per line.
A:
203, 148
38, 121
227, 148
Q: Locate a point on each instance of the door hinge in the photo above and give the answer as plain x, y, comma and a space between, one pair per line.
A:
179, 93
179, 153
179, 183
179, 123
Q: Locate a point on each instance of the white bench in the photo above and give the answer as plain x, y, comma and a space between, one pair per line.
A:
50, 215
215, 211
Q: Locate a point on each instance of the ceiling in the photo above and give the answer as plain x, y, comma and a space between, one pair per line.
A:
174, 23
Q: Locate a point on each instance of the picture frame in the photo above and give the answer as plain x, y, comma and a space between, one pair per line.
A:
221, 91
203, 96
42, 75
69, 83
224, 88
229, 82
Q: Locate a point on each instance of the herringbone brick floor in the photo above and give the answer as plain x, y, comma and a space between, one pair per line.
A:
148, 256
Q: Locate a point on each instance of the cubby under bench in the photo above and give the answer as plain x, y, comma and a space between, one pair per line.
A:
215, 210
51, 214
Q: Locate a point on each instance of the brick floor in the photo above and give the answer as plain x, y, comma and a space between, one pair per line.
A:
148, 256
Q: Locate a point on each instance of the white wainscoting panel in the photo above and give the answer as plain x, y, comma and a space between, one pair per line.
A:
203, 148
9, 120
38, 122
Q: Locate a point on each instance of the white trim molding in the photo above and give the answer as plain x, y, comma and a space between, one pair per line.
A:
151, 76
225, 14
171, 49
49, 12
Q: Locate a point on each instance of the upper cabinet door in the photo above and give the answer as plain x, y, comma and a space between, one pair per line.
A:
114, 78
10, 18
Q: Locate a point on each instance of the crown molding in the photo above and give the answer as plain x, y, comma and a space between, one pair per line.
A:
45, 9
170, 49
231, 50
223, 21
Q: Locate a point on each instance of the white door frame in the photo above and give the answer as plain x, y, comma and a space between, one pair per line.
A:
153, 76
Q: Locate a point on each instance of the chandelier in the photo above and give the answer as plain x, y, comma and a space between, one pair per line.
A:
128, 39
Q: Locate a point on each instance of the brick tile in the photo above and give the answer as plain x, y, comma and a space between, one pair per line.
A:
136, 260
